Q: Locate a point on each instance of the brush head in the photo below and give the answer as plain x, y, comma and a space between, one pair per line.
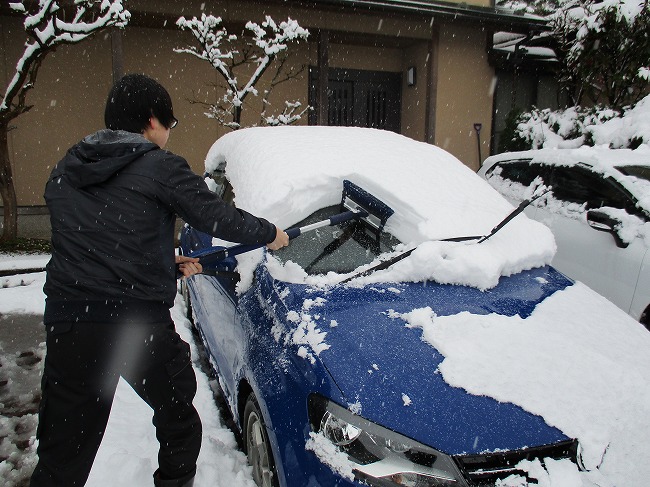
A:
359, 200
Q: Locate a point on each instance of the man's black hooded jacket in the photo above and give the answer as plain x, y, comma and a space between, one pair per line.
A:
113, 201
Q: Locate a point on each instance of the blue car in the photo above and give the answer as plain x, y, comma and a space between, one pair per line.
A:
324, 380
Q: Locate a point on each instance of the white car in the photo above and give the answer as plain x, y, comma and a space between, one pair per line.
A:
598, 208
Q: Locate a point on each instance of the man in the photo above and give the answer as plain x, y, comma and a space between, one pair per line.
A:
110, 283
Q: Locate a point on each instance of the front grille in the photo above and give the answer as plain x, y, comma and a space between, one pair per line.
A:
485, 469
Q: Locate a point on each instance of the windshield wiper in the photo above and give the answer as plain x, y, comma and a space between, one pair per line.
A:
481, 238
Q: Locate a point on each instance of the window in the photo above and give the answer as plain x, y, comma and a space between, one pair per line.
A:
579, 185
641, 172
339, 249
522, 172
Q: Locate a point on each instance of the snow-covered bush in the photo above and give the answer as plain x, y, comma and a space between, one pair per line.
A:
576, 126
604, 50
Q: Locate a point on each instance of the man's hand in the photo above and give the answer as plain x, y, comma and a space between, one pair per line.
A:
188, 266
281, 240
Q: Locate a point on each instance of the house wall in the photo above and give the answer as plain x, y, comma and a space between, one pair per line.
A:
464, 94
414, 98
73, 82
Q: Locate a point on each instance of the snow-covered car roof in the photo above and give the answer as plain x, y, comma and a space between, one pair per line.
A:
284, 174
601, 160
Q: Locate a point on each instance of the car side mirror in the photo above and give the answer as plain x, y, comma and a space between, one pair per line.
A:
602, 221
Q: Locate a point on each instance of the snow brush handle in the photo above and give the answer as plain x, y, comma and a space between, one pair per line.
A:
211, 255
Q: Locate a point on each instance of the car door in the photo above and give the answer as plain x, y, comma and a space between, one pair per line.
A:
584, 251
215, 307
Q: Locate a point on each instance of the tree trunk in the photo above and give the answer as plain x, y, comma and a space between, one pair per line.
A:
10, 221
237, 116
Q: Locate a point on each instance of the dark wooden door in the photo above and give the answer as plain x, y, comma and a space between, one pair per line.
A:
360, 98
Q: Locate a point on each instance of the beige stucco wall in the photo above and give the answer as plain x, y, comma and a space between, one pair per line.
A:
414, 98
151, 51
464, 94
73, 81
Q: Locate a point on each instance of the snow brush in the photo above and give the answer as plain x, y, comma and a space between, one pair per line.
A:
212, 255
358, 203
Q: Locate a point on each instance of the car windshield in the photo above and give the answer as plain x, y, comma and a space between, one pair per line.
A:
641, 172
341, 248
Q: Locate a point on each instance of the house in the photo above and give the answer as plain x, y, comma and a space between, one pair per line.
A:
416, 67
526, 67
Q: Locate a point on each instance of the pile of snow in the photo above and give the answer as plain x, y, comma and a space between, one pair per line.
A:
284, 174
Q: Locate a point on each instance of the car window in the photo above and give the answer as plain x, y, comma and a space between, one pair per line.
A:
341, 248
579, 185
522, 172
641, 172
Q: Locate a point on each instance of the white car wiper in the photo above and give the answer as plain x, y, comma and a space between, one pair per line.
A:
481, 238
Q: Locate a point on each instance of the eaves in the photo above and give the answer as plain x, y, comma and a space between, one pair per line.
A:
488, 17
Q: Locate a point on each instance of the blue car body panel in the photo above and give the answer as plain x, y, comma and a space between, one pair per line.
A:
372, 360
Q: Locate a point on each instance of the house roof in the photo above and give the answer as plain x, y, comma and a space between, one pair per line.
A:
528, 51
494, 17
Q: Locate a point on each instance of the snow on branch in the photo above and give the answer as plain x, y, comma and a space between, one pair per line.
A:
210, 37
217, 47
288, 116
48, 25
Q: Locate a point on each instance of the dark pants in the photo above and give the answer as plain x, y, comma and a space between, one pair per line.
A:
83, 364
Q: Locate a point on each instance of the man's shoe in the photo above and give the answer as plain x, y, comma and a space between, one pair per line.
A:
184, 481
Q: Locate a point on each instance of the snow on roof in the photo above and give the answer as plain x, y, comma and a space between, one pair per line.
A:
286, 173
507, 42
600, 158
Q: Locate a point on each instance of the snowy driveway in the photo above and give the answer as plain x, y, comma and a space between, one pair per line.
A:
128, 455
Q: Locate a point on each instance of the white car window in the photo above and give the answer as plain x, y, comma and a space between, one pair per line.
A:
581, 186
522, 172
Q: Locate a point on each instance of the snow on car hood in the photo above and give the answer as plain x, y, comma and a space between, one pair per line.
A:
286, 173
389, 375
532, 361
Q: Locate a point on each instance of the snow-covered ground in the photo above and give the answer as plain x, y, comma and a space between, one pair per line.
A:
128, 455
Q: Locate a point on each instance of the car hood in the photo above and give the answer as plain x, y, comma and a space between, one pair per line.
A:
388, 374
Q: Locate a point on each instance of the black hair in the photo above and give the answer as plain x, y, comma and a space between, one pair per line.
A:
133, 100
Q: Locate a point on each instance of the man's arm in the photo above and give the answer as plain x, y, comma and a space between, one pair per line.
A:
190, 197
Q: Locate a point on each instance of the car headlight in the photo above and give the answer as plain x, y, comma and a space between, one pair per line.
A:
379, 456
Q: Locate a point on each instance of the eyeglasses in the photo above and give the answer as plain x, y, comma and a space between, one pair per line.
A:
174, 123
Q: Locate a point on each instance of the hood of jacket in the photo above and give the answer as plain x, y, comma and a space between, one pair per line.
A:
101, 155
